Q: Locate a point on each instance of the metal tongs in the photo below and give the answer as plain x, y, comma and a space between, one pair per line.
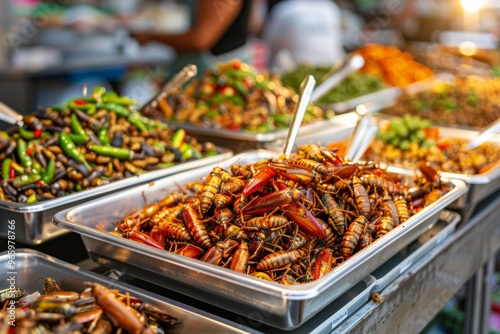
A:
362, 135
352, 64
306, 91
485, 134
9, 115
187, 73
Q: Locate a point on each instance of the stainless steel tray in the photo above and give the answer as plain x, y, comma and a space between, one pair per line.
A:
480, 185
385, 97
33, 221
277, 305
240, 141
32, 266
436, 234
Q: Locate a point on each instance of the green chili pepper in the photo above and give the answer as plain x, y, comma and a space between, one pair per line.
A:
25, 179
78, 129
97, 93
6, 168
18, 168
69, 147
159, 146
82, 104
25, 159
77, 139
159, 125
178, 138
211, 153
114, 152
28, 135
49, 172
32, 198
60, 108
103, 136
137, 123
240, 87
122, 100
118, 109
188, 152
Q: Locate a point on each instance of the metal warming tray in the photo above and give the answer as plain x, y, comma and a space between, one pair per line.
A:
33, 221
31, 267
240, 141
436, 234
480, 185
282, 306
385, 97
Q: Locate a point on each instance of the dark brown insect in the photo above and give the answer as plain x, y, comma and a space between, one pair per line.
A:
351, 238
196, 227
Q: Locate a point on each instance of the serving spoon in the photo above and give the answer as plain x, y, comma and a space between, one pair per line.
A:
362, 135
306, 91
485, 134
187, 73
352, 64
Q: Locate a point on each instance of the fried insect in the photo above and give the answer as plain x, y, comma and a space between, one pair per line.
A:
351, 238
212, 188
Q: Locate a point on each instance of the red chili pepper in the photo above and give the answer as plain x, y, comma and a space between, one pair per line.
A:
40, 183
80, 102
12, 171
234, 127
37, 133
30, 149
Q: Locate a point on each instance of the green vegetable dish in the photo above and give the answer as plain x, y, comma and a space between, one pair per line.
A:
354, 85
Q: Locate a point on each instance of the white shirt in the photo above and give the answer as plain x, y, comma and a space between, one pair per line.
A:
309, 29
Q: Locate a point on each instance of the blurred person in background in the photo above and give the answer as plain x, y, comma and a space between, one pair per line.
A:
309, 29
218, 33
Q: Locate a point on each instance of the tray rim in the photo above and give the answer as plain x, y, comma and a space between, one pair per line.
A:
263, 137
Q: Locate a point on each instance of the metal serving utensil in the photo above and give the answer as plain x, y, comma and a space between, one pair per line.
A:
352, 64
9, 115
187, 73
306, 90
485, 134
361, 136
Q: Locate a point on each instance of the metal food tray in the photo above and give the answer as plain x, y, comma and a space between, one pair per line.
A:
33, 221
385, 97
240, 141
335, 313
480, 185
442, 230
282, 306
32, 266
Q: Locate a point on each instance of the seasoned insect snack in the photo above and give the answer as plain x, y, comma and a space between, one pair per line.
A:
405, 141
284, 220
467, 102
233, 96
397, 68
85, 143
97, 309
